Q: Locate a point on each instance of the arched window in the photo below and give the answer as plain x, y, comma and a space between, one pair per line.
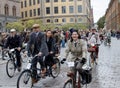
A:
6, 9
14, 11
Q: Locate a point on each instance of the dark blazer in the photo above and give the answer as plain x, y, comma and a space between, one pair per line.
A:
50, 44
37, 44
13, 42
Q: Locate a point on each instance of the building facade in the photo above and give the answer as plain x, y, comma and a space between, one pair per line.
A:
9, 12
58, 12
112, 16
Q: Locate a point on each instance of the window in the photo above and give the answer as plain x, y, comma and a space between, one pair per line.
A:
25, 2
30, 13
48, 20
34, 2
56, 20
47, 10
30, 2
38, 1
55, 10
63, 20
21, 4
25, 13
71, 19
14, 11
55, 0
79, 19
63, 0
63, 9
22, 14
6, 9
71, 9
34, 12
47, 0
38, 11
70, 0
80, 9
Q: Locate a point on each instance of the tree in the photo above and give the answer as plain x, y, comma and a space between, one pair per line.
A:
74, 25
16, 25
101, 22
29, 23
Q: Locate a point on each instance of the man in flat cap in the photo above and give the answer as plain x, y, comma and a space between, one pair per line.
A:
14, 41
37, 46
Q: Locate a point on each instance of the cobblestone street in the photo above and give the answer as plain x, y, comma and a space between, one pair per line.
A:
105, 75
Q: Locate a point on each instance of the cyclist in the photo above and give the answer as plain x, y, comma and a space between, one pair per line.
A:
14, 41
37, 46
108, 35
93, 38
78, 49
50, 44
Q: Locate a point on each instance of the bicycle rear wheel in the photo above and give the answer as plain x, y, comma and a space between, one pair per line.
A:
55, 71
68, 84
25, 80
10, 68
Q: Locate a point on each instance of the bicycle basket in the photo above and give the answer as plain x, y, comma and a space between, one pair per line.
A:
87, 76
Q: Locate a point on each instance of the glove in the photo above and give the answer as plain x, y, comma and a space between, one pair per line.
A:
83, 60
63, 60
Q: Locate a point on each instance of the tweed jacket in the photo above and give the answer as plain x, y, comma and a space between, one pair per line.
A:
80, 51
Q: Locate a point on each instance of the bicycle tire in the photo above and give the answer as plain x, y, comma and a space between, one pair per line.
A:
12, 68
57, 69
69, 82
26, 79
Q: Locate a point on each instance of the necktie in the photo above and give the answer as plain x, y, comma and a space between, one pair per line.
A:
75, 44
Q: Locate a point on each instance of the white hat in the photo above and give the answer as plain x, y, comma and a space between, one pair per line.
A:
12, 30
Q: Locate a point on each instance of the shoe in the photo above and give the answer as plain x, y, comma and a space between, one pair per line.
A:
19, 69
70, 74
43, 73
83, 82
34, 80
54, 66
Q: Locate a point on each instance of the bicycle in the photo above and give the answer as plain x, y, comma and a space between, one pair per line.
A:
11, 65
75, 80
93, 56
25, 78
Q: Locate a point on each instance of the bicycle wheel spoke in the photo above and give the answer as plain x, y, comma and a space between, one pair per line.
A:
24, 80
10, 68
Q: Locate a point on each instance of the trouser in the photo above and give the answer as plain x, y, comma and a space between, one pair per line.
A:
97, 51
18, 57
34, 65
49, 60
63, 43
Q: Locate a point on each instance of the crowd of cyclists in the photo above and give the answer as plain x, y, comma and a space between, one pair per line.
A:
49, 42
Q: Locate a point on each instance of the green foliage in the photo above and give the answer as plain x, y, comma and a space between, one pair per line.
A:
16, 25
74, 25
28, 25
101, 22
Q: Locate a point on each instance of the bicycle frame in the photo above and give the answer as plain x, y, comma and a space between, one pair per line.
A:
76, 79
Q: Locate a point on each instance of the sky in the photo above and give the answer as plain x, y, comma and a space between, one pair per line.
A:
99, 8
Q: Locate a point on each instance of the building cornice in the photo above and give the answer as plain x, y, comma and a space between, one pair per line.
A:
17, 1
2, 15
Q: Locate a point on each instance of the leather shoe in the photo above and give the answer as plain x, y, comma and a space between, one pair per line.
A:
34, 80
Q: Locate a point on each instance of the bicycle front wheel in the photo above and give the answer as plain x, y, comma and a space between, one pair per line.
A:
25, 80
68, 84
10, 68
56, 71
